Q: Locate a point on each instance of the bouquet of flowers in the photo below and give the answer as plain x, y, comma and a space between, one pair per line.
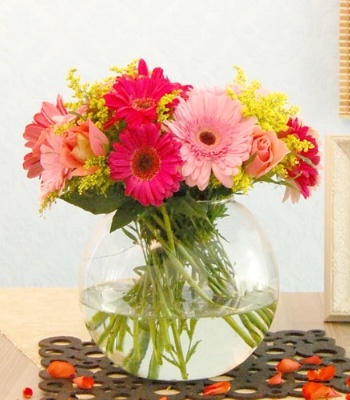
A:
162, 156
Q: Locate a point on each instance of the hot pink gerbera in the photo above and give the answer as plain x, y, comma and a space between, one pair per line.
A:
304, 174
148, 163
135, 99
214, 136
36, 132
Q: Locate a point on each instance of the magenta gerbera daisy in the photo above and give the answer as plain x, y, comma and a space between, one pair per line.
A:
135, 100
214, 136
148, 163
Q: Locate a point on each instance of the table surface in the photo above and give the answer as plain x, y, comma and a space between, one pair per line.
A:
28, 315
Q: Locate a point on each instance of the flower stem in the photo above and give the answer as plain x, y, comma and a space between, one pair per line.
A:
241, 332
178, 348
168, 229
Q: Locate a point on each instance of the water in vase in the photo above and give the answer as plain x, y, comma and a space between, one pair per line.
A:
204, 342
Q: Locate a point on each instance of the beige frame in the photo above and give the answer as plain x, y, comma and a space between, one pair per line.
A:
337, 228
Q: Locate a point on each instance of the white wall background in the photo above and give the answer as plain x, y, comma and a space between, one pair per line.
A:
289, 45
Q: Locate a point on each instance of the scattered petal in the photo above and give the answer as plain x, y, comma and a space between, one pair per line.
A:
312, 375
348, 381
61, 369
314, 360
27, 392
276, 379
287, 365
84, 382
315, 391
323, 374
347, 397
217, 388
326, 373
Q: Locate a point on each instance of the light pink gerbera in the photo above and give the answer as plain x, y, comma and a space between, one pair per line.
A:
54, 174
214, 136
148, 163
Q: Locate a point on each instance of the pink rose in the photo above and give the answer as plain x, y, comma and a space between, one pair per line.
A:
267, 151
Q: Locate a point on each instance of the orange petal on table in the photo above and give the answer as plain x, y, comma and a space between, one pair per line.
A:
60, 369
217, 388
347, 397
315, 360
326, 373
315, 391
287, 365
84, 382
276, 379
312, 375
323, 374
348, 381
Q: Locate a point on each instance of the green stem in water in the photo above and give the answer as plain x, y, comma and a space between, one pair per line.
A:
141, 339
178, 348
240, 331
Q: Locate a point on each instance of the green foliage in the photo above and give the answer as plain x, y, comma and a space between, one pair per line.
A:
96, 202
126, 213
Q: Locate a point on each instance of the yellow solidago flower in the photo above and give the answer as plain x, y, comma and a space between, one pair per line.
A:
269, 108
130, 70
89, 96
297, 145
99, 180
163, 111
48, 201
242, 182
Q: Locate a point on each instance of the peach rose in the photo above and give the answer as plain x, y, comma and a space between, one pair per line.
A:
267, 150
80, 143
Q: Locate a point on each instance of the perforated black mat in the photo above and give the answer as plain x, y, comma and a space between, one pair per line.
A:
248, 381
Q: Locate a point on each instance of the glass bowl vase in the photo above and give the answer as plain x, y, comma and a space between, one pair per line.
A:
180, 298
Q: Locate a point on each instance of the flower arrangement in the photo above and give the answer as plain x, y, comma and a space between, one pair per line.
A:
162, 156
139, 136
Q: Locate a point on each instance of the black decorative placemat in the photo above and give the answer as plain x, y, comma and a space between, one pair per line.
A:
248, 381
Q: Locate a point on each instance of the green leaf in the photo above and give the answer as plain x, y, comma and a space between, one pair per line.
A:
126, 213
95, 202
130, 235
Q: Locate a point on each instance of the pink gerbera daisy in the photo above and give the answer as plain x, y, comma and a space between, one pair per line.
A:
148, 163
36, 132
54, 174
214, 136
304, 174
135, 99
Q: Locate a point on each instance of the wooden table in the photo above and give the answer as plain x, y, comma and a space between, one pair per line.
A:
29, 315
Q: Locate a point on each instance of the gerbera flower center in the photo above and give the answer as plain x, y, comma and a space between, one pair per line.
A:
208, 138
144, 103
145, 163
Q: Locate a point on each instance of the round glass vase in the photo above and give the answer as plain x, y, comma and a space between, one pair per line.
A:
180, 295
